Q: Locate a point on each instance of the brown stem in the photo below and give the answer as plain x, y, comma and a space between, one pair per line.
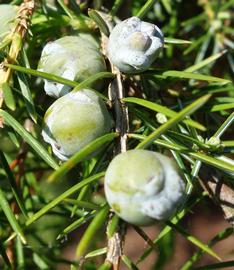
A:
116, 95
114, 250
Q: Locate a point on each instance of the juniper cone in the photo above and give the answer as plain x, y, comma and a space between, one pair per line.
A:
175, 102
70, 57
74, 121
134, 45
143, 186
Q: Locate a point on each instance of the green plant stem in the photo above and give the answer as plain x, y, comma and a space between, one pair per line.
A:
11, 217
116, 7
174, 120
96, 224
194, 240
224, 126
216, 162
12, 183
147, 6
81, 155
39, 149
62, 197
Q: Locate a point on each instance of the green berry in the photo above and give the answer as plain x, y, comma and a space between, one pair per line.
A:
143, 186
75, 120
71, 57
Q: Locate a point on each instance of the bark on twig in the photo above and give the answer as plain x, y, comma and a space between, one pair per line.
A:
114, 250
116, 95
121, 111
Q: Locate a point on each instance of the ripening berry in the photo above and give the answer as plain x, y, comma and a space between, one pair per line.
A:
143, 186
70, 57
75, 120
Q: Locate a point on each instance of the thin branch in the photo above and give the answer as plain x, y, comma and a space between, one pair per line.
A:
116, 91
114, 251
116, 95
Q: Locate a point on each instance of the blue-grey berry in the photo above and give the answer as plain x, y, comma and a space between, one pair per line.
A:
134, 45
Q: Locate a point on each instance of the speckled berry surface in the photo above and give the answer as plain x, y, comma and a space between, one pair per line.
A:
70, 57
143, 186
134, 45
74, 121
